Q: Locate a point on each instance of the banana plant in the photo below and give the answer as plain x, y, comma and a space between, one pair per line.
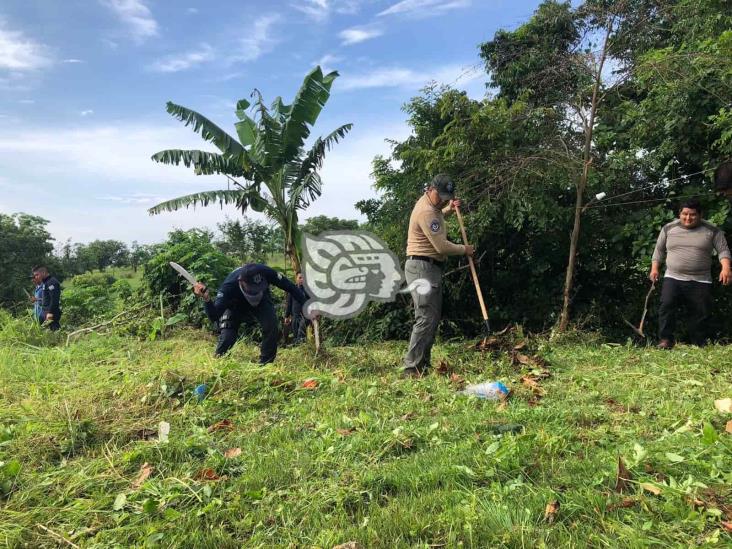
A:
269, 164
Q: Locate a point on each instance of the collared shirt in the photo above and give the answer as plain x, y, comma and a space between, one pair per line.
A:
50, 297
427, 234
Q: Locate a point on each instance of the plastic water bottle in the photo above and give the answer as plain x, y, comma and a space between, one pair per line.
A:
490, 390
200, 391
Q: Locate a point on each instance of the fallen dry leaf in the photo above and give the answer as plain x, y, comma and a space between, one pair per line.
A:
310, 384
727, 525
346, 432
409, 416
523, 359
223, 425
458, 380
623, 478
519, 346
625, 504
550, 513
206, 474
443, 367
231, 453
487, 344
724, 405
728, 428
533, 384
349, 545
145, 471
652, 488
145, 433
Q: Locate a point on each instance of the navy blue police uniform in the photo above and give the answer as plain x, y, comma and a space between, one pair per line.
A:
299, 322
245, 293
50, 291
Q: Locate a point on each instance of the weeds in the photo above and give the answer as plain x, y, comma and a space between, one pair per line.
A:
307, 453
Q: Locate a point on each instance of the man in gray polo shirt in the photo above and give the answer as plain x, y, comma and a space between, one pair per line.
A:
686, 245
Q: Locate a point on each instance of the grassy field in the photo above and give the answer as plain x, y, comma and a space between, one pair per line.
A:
321, 452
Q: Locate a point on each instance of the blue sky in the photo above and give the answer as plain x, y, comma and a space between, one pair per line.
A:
83, 86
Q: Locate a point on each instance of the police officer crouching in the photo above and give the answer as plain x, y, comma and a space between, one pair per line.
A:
245, 293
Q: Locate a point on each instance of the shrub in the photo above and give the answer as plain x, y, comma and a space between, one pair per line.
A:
195, 251
88, 296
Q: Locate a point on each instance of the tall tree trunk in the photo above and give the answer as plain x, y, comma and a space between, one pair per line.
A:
589, 126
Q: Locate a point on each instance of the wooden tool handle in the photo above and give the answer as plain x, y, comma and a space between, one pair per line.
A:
472, 266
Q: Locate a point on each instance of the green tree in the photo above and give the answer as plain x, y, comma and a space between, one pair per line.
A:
24, 243
321, 223
249, 240
107, 253
196, 251
281, 176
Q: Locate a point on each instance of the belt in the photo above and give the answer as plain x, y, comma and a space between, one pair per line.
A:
427, 259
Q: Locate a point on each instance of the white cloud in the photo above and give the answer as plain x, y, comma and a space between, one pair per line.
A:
424, 8
86, 112
101, 180
356, 35
19, 53
134, 198
400, 77
320, 10
27, 101
185, 61
136, 16
347, 169
259, 39
326, 62
315, 9
72, 61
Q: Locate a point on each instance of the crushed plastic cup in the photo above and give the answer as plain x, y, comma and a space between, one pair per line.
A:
490, 390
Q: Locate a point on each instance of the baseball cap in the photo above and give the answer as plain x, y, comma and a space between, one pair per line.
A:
253, 283
444, 185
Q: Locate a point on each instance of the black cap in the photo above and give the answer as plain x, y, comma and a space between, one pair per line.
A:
252, 281
444, 185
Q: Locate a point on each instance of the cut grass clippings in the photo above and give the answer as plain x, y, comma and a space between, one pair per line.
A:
313, 453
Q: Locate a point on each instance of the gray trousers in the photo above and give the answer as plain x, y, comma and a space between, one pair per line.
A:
427, 312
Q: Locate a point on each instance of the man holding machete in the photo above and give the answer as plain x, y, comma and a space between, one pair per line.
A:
245, 293
686, 246
427, 250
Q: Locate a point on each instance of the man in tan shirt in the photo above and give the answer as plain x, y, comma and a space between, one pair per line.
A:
427, 250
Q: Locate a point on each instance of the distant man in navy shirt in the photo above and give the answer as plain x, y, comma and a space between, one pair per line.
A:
47, 298
294, 314
245, 293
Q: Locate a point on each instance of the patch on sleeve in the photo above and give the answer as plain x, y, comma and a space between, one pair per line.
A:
219, 294
279, 276
52, 287
435, 225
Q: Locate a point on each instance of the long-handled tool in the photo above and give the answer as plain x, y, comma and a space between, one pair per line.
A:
474, 274
639, 329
